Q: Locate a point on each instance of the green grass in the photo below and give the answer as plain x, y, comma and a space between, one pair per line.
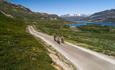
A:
99, 38
98, 42
19, 50
50, 26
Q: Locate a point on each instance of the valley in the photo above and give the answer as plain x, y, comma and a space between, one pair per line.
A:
21, 48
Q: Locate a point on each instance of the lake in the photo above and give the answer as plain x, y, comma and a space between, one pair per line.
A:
84, 23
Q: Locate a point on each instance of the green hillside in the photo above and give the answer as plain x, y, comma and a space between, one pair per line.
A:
23, 13
18, 49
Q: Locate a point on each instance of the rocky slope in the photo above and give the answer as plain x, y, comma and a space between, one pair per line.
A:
23, 13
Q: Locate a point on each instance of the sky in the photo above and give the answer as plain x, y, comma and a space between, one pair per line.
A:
61, 7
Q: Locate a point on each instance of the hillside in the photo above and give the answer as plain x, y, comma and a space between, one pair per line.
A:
103, 15
18, 49
23, 13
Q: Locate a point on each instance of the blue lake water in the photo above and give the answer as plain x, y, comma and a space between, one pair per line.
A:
84, 23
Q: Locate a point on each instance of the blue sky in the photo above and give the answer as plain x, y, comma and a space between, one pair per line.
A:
61, 7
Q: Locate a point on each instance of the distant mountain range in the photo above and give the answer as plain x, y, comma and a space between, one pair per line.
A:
103, 16
74, 17
23, 13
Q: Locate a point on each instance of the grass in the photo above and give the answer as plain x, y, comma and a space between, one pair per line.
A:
18, 49
50, 26
98, 42
99, 38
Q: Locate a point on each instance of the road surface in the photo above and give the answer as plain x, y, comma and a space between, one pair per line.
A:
82, 58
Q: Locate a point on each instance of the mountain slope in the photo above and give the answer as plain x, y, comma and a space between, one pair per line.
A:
18, 49
23, 13
103, 15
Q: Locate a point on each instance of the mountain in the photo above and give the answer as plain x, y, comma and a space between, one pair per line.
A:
103, 16
74, 17
107, 15
23, 13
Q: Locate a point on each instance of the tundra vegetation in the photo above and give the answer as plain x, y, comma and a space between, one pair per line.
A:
18, 49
